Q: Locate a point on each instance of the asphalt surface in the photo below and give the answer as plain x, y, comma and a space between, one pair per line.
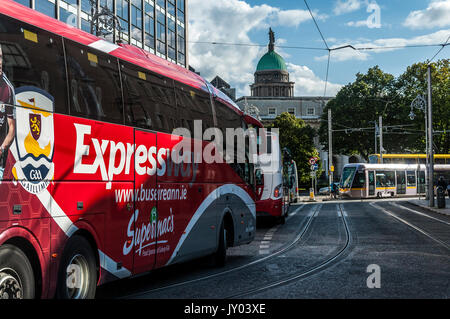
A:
352, 249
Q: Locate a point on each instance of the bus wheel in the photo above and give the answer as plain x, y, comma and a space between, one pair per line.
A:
77, 276
16, 274
220, 257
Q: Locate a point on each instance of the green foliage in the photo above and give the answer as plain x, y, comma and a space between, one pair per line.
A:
359, 105
298, 138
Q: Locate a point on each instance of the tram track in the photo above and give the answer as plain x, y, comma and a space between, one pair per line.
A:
414, 226
285, 248
336, 257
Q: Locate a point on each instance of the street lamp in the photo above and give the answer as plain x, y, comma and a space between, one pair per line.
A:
421, 104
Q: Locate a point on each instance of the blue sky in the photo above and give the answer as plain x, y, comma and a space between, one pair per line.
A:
361, 23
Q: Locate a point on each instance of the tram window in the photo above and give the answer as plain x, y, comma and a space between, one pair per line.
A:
359, 180
381, 179
33, 61
148, 98
347, 176
411, 178
390, 179
94, 83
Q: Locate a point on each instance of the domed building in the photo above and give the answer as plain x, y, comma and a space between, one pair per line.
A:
272, 76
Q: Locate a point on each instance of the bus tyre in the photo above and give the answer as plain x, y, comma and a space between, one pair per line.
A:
77, 276
16, 274
220, 257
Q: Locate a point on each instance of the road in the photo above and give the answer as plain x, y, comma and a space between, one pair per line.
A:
351, 249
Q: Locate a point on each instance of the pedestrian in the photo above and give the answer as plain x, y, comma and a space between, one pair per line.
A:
442, 183
7, 116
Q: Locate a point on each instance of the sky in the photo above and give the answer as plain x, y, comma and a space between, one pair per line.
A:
244, 26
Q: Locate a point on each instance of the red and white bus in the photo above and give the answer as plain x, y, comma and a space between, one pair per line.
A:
270, 198
90, 192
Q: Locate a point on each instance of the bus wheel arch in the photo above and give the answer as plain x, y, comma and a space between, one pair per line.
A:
229, 227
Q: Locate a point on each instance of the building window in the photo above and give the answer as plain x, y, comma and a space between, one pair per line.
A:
272, 112
46, 7
291, 110
311, 111
161, 33
149, 26
136, 21
24, 2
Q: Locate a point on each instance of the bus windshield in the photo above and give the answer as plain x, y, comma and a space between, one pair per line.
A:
347, 177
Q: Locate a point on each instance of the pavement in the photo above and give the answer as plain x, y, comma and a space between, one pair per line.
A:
423, 203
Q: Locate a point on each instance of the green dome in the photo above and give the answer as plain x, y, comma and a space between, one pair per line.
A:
271, 61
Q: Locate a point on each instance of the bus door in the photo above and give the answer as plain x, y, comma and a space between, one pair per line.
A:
145, 202
371, 183
401, 182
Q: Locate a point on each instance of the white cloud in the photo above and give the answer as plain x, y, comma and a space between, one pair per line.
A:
437, 14
231, 21
357, 24
347, 6
309, 84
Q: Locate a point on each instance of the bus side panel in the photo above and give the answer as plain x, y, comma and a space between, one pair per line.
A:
145, 212
94, 172
182, 206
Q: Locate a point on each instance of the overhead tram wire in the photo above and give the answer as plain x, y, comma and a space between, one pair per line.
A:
443, 46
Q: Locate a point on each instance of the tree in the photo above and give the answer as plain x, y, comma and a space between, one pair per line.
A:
413, 82
298, 138
358, 106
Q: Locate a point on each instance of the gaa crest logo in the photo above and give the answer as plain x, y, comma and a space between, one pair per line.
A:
34, 168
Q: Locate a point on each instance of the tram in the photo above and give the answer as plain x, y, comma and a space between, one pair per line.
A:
383, 180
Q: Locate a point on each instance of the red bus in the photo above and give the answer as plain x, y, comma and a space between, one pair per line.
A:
271, 201
89, 189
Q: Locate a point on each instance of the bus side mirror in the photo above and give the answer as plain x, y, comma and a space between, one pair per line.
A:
259, 177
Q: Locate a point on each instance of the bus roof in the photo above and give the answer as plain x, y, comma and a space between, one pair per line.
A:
125, 52
251, 120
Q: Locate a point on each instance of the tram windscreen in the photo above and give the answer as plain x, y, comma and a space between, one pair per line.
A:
347, 177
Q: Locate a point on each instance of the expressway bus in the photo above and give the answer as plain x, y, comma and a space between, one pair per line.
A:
94, 186
408, 158
383, 180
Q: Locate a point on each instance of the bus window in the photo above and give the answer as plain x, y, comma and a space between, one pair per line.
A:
34, 59
94, 84
148, 99
194, 105
411, 178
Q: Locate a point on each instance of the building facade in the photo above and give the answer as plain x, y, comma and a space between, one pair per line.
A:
157, 26
272, 94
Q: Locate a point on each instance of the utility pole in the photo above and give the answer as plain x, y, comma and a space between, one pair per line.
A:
430, 141
330, 148
376, 137
381, 139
